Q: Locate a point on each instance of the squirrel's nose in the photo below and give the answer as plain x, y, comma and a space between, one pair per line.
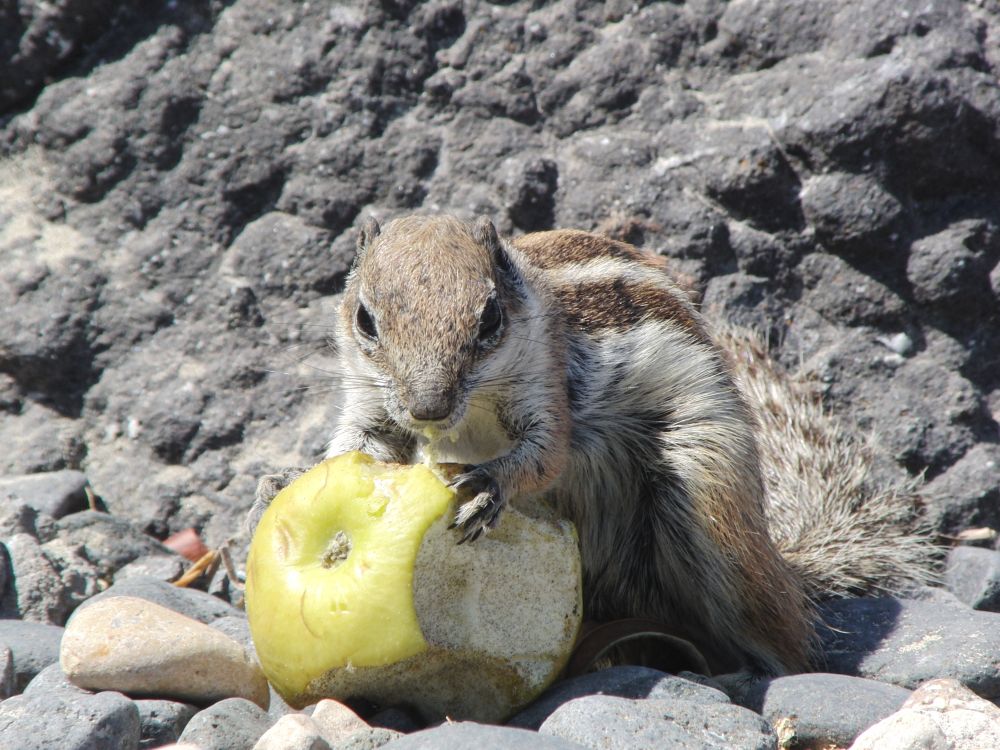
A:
431, 406
429, 411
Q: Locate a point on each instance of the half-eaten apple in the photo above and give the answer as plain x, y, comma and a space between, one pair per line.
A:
357, 588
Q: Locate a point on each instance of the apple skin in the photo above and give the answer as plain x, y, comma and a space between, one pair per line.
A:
356, 588
309, 614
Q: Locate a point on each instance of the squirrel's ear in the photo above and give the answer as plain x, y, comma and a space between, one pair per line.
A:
368, 232
485, 234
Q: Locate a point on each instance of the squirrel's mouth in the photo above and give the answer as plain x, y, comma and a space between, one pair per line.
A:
434, 429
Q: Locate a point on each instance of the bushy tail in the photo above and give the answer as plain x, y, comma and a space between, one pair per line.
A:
844, 530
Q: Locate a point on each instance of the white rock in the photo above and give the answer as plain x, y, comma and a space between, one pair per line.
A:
336, 721
293, 732
940, 715
142, 649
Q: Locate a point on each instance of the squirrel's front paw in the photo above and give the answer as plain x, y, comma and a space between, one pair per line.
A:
482, 512
268, 486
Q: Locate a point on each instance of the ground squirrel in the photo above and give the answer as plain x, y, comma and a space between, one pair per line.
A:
570, 364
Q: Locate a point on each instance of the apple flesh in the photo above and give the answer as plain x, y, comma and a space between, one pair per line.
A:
356, 588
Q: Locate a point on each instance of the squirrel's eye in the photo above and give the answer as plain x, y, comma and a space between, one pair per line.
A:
365, 323
489, 322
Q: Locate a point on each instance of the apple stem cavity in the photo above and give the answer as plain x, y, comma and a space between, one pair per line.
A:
337, 551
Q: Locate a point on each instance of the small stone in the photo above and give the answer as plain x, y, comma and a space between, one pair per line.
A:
824, 710
336, 721
624, 682
34, 646
368, 739
56, 493
109, 542
143, 649
968, 494
900, 343
18, 517
293, 732
161, 567
161, 722
6, 672
973, 575
69, 722
236, 627
232, 724
940, 715
906, 642
51, 680
51, 581
189, 602
851, 214
951, 267
609, 722
468, 734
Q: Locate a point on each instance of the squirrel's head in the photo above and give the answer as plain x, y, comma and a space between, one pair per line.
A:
427, 302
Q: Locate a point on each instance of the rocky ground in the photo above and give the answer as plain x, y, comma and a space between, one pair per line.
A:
180, 186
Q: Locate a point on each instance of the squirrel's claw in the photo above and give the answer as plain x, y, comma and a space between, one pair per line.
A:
482, 512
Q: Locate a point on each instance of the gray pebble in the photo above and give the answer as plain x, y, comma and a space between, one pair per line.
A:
109, 542
18, 517
161, 567
609, 722
236, 627
230, 724
906, 641
195, 604
624, 682
56, 493
34, 646
972, 574
50, 582
52, 679
825, 710
162, 722
368, 739
968, 494
69, 722
467, 735
6, 672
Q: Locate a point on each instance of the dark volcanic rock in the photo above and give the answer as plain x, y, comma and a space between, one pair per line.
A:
968, 494
55, 493
109, 543
47, 581
182, 187
973, 576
